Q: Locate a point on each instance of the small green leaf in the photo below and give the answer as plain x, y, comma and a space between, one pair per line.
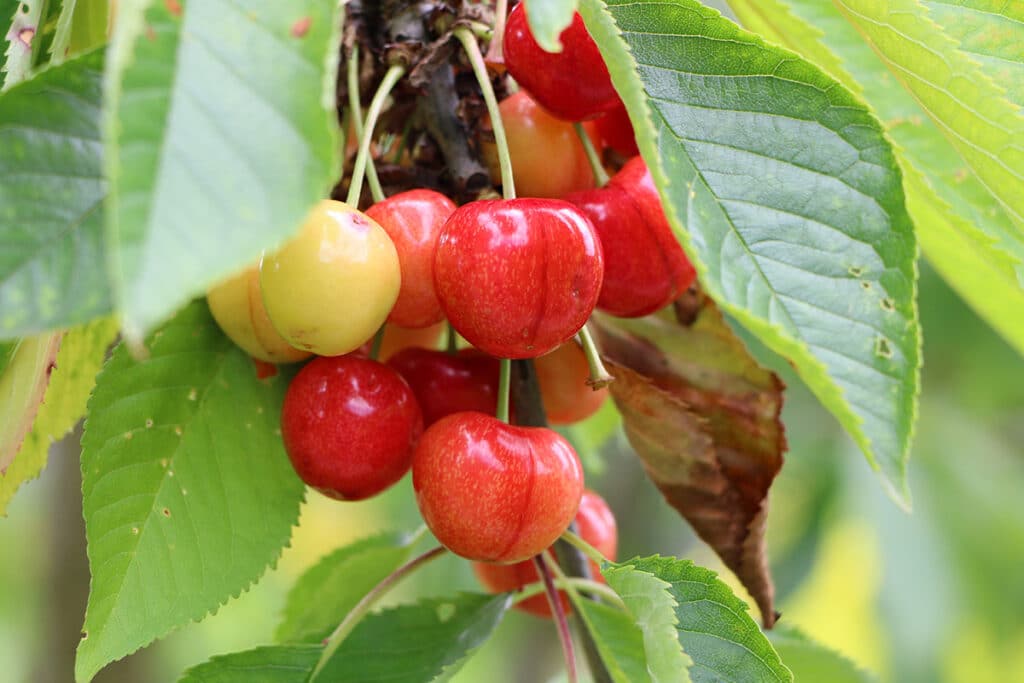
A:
547, 20
82, 25
279, 664
52, 254
81, 354
620, 642
330, 589
22, 47
419, 643
188, 495
786, 195
221, 133
650, 602
811, 661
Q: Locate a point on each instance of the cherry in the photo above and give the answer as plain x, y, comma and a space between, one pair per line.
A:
616, 131
445, 384
595, 524
548, 159
331, 287
563, 376
237, 306
397, 338
413, 221
645, 268
518, 277
572, 84
349, 426
492, 491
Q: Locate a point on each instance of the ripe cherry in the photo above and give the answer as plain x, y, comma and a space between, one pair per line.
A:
413, 221
563, 376
331, 287
616, 131
445, 384
595, 524
397, 338
237, 306
518, 277
492, 491
645, 268
349, 426
572, 84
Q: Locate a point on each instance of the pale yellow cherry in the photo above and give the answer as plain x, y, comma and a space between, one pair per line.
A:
332, 286
237, 306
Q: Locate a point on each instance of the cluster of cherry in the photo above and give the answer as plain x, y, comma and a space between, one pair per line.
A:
516, 278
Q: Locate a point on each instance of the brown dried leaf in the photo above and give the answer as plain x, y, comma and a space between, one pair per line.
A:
703, 416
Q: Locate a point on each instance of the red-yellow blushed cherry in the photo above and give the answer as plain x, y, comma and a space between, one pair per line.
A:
563, 376
445, 384
413, 220
349, 426
518, 277
645, 268
548, 159
616, 131
572, 84
595, 524
492, 491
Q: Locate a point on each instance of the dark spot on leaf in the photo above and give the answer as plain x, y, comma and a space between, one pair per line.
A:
888, 304
301, 27
883, 348
855, 271
865, 285
85, 634
167, 513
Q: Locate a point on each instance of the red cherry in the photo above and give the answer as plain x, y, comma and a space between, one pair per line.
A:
518, 277
596, 526
572, 84
413, 221
349, 426
492, 491
616, 131
563, 376
445, 384
645, 268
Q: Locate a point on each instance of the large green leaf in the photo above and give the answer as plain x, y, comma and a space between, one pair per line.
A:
964, 231
786, 195
331, 588
221, 133
188, 495
971, 109
280, 664
72, 377
419, 643
52, 256
714, 627
810, 661
620, 642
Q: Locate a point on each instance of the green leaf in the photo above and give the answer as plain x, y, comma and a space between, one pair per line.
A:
52, 269
972, 110
22, 47
22, 387
188, 495
650, 602
81, 354
714, 627
964, 231
279, 664
811, 661
620, 642
221, 133
82, 25
792, 204
7, 351
547, 20
424, 642
331, 588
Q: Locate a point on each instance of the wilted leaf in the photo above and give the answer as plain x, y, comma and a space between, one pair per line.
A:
704, 418
22, 386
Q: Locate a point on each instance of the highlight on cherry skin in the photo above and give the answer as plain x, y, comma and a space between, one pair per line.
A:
349, 426
333, 285
492, 491
595, 524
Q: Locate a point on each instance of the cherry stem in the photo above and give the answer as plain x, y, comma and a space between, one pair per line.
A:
599, 377
476, 59
590, 551
453, 340
504, 377
570, 583
378, 341
600, 175
495, 51
387, 83
558, 610
356, 108
352, 619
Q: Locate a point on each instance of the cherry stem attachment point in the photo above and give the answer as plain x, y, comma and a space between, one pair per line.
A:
373, 113
361, 609
496, 50
476, 60
504, 377
355, 109
599, 377
590, 551
600, 175
378, 341
558, 610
